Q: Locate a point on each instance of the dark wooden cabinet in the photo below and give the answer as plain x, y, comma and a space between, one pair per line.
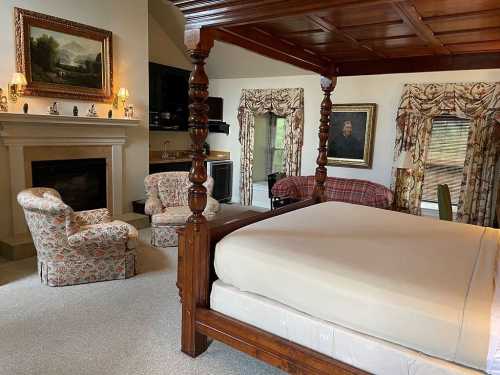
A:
170, 167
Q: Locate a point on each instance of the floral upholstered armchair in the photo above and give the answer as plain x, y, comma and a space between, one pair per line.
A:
77, 247
167, 203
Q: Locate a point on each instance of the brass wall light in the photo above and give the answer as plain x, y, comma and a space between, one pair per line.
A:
122, 96
16, 86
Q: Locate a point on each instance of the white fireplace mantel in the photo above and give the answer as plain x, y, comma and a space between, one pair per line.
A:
58, 120
18, 131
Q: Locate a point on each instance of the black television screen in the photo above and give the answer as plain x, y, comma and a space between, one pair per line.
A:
168, 97
214, 108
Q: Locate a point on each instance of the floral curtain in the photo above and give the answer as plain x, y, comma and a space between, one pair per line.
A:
288, 103
420, 103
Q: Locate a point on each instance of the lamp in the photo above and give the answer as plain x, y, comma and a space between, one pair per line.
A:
122, 95
403, 162
16, 86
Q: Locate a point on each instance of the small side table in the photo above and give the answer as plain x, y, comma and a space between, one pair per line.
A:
138, 206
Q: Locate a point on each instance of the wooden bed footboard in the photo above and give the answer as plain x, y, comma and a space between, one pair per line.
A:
194, 279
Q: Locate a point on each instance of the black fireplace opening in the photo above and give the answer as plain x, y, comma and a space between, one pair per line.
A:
81, 182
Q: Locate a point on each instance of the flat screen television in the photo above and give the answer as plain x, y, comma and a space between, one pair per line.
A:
168, 97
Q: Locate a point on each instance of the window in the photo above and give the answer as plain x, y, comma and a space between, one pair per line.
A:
274, 159
269, 145
446, 157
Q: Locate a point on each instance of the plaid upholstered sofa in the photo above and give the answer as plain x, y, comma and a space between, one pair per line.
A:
336, 189
167, 203
77, 247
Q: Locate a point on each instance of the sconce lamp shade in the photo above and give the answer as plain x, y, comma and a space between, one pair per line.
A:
404, 161
19, 79
123, 93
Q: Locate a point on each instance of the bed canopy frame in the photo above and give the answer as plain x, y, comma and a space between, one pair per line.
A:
332, 38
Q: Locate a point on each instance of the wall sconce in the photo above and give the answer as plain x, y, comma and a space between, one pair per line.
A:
122, 95
16, 86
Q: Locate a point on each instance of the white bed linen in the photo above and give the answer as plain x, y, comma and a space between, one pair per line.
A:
416, 282
493, 366
358, 350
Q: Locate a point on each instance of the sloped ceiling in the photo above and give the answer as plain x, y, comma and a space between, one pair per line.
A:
229, 61
226, 60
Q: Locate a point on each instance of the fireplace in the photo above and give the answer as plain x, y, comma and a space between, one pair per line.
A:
82, 183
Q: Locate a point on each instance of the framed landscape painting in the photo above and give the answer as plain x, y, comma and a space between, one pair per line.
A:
62, 58
352, 131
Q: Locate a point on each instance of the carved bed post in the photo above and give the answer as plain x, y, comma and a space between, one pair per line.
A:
196, 257
327, 85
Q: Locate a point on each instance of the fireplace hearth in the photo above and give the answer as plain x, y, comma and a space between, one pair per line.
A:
81, 182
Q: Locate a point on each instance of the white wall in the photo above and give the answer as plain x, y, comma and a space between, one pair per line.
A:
385, 90
128, 20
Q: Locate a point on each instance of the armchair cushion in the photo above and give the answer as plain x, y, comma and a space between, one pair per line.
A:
172, 216
179, 215
212, 207
153, 206
101, 215
104, 237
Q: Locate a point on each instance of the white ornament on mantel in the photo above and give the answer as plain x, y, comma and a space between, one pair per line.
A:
18, 130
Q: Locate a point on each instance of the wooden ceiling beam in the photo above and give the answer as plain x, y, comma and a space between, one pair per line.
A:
466, 31
329, 27
212, 13
262, 44
372, 24
411, 17
463, 16
466, 61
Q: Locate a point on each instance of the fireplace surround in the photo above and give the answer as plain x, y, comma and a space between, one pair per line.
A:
33, 138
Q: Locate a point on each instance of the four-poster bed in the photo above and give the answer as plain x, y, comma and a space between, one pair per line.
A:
332, 38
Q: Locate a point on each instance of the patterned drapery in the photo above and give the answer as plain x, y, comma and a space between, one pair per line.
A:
420, 103
288, 103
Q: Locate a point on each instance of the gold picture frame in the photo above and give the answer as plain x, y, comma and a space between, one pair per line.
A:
79, 64
352, 134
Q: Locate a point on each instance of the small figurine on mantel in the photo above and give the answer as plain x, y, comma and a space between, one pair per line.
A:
75, 111
92, 111
129, 111
110, 113
4, 106
25, 108
53, 110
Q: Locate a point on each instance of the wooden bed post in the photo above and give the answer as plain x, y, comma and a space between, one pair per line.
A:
327, 85
195, 266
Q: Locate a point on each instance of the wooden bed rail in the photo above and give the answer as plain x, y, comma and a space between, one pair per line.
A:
269, 348
218, 232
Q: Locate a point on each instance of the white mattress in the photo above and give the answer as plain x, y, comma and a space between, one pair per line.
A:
361, 351
416, 282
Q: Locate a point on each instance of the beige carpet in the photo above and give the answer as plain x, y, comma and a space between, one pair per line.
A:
116, 327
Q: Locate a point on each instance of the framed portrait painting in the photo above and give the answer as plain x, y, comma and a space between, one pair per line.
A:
352, 132
63, 59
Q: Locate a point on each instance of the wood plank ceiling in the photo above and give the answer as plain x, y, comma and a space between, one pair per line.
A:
347, 37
